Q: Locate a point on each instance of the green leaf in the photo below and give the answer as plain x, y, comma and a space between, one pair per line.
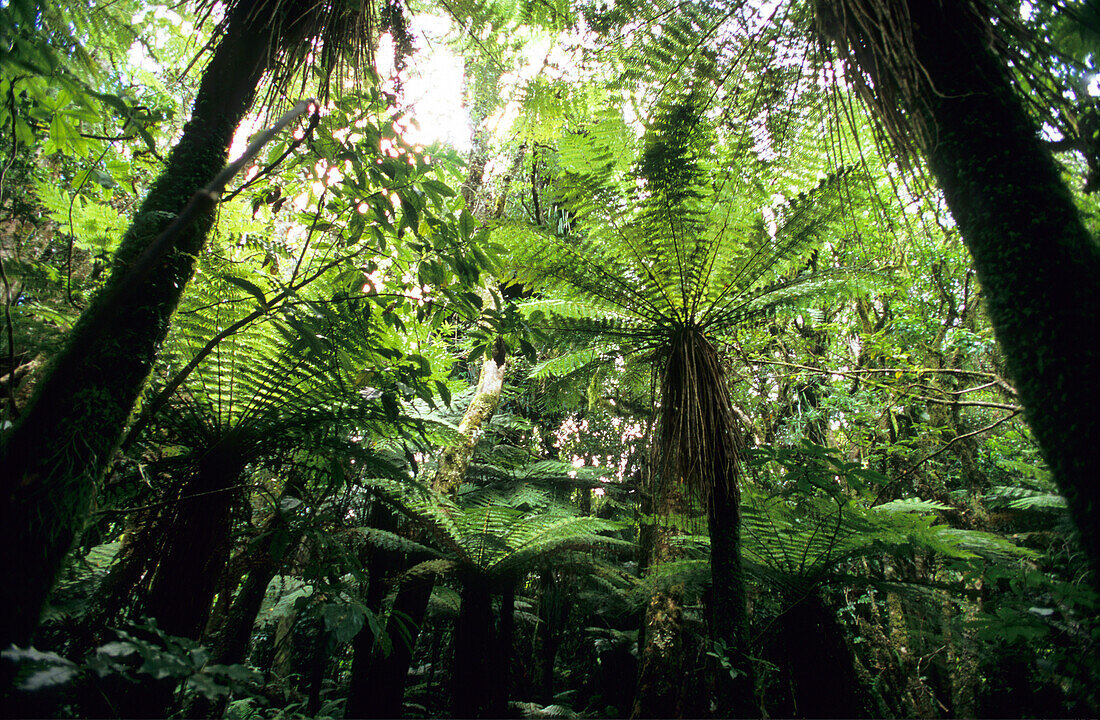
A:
344, 620
444, 392
246, 285
466, 224
438, 187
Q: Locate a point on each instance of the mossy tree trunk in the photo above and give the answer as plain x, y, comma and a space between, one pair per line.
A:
1037, 263
455, 460
52, 459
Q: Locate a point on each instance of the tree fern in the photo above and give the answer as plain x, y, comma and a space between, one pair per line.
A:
497, 538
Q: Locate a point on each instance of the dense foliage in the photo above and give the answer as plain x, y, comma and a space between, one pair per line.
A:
739, 360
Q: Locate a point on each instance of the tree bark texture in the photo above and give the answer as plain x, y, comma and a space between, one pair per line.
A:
455, 459
51, 461
663, 681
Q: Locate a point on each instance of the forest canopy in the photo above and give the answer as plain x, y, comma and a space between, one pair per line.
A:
497, 358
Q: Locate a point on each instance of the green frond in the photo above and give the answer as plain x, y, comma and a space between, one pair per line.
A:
794, 294
565, 364
393, 542
572, 309
439, 566
1023, 498
804, 540
545, 535
685, 575
434, 512
598, 152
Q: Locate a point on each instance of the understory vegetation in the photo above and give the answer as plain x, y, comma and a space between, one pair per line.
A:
571, 358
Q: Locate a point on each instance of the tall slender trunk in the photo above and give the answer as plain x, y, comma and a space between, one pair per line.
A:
551, 615
698, 446
384, 693
230, 643
196, 546
663, 642
500, 677
51, 461
381, 566
475, 645
735, 686
1038, 265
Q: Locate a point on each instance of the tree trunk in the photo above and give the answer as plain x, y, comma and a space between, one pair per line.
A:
735, 686
195, 549
384, 693
196, 546
663, 643
551, 616
817, 663
230, 644
662, 680
475, 644
52, 460
699, 445
455, 459
500, 677
1038, 265
381, 566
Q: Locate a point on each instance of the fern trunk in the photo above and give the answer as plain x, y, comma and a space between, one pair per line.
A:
230, 644
500, 678
816, 664
1038, 265
698, 447
383, 691
475, 646
191, 560
381, 566
196, 547
553, 609
52, 460
728, 617
664, 642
